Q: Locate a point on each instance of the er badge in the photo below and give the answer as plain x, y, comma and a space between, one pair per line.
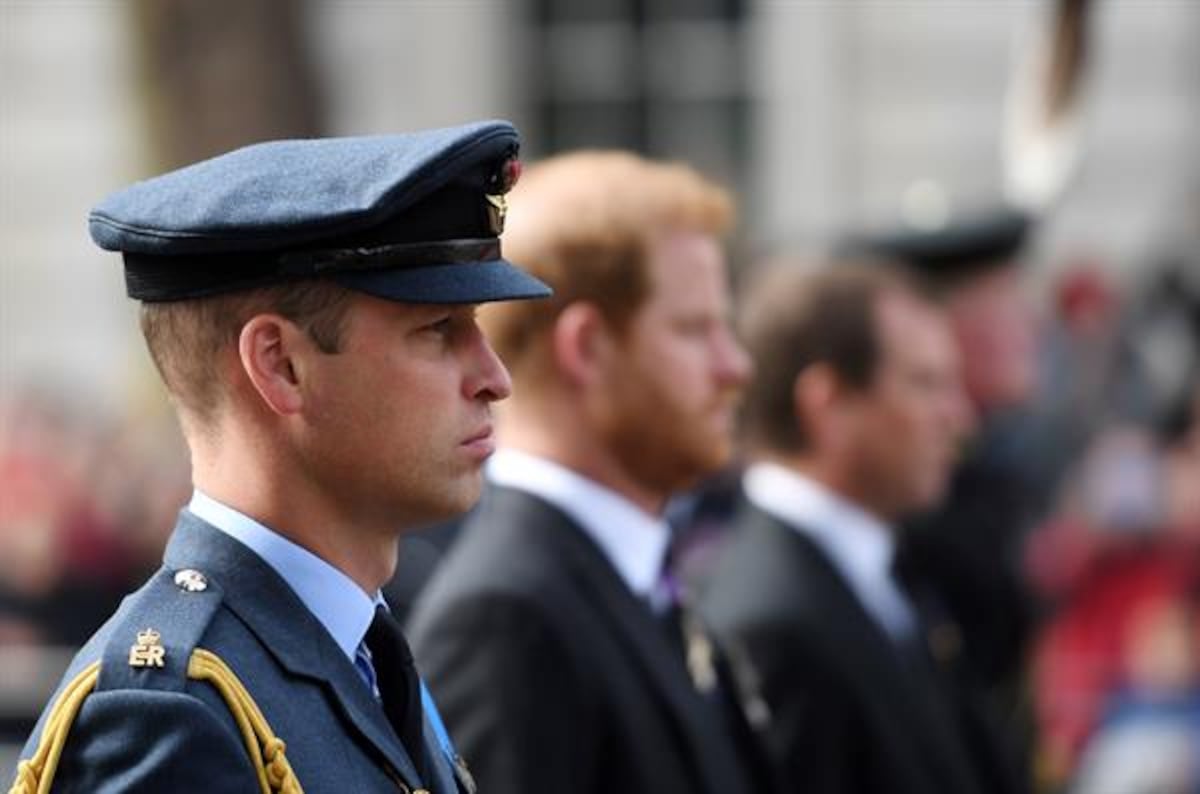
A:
148, 651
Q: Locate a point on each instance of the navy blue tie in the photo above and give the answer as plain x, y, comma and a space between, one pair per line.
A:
398, 682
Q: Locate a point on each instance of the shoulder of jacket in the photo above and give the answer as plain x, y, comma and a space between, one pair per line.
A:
150, 640
152, 644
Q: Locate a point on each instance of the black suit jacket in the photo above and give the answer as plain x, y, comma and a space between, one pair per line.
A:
850, 710
552, 675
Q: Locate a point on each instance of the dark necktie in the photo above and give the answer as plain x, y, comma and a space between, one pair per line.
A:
685, 631
398, 682
739, 711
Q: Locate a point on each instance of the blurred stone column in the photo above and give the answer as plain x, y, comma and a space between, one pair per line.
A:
804, 80
218, 74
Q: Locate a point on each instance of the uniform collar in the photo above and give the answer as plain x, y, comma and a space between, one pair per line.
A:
333, 598
859, 545
634, 541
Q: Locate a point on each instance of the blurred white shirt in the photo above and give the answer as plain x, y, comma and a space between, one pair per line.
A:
634, 541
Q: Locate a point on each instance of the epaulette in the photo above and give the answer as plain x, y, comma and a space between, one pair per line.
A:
154, 642
152, 637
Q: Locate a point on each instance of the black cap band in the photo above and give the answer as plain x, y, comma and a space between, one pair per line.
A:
153, 278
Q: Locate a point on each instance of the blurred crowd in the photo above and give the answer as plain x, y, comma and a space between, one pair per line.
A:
1115, 564
87, 503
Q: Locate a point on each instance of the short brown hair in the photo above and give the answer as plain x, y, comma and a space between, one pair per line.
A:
583, 222
184, 337
793, 317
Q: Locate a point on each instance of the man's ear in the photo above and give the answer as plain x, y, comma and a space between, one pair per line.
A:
268, 347
579, 342
814, 392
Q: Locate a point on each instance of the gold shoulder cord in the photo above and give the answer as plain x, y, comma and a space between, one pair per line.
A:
36, 775
266, 750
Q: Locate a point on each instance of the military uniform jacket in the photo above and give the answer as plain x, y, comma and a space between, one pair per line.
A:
153, 728
849, 710
551, 674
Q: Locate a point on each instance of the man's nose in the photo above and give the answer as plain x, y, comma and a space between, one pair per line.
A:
488, 378
734, 365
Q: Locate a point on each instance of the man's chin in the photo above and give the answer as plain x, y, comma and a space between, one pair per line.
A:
716, 457
455, 502
702, 465
930, 498
467, 497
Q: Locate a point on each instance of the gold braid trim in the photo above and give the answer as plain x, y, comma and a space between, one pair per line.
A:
266, 750
36, 775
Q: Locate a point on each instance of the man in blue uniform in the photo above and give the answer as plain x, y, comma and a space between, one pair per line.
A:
310, 306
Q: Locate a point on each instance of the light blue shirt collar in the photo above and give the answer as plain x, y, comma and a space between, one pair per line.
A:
331, 596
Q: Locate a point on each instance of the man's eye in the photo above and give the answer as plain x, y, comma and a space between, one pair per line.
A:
694, 327
451, 323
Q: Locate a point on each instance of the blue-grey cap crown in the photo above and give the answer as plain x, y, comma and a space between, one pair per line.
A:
357, 207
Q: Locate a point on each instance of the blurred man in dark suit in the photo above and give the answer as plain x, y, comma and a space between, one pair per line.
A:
963, 558
559, 652
853, 422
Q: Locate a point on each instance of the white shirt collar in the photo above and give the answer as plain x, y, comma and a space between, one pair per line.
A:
634, 541
860, 546
331, 596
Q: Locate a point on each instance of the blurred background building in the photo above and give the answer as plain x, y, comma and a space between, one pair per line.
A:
824, 116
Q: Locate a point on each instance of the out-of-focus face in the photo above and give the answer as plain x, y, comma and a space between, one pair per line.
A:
400, 422
994, 325
672, 386
906, 427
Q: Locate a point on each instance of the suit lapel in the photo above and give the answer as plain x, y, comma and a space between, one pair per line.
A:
285, 627
875, 659
637, 629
